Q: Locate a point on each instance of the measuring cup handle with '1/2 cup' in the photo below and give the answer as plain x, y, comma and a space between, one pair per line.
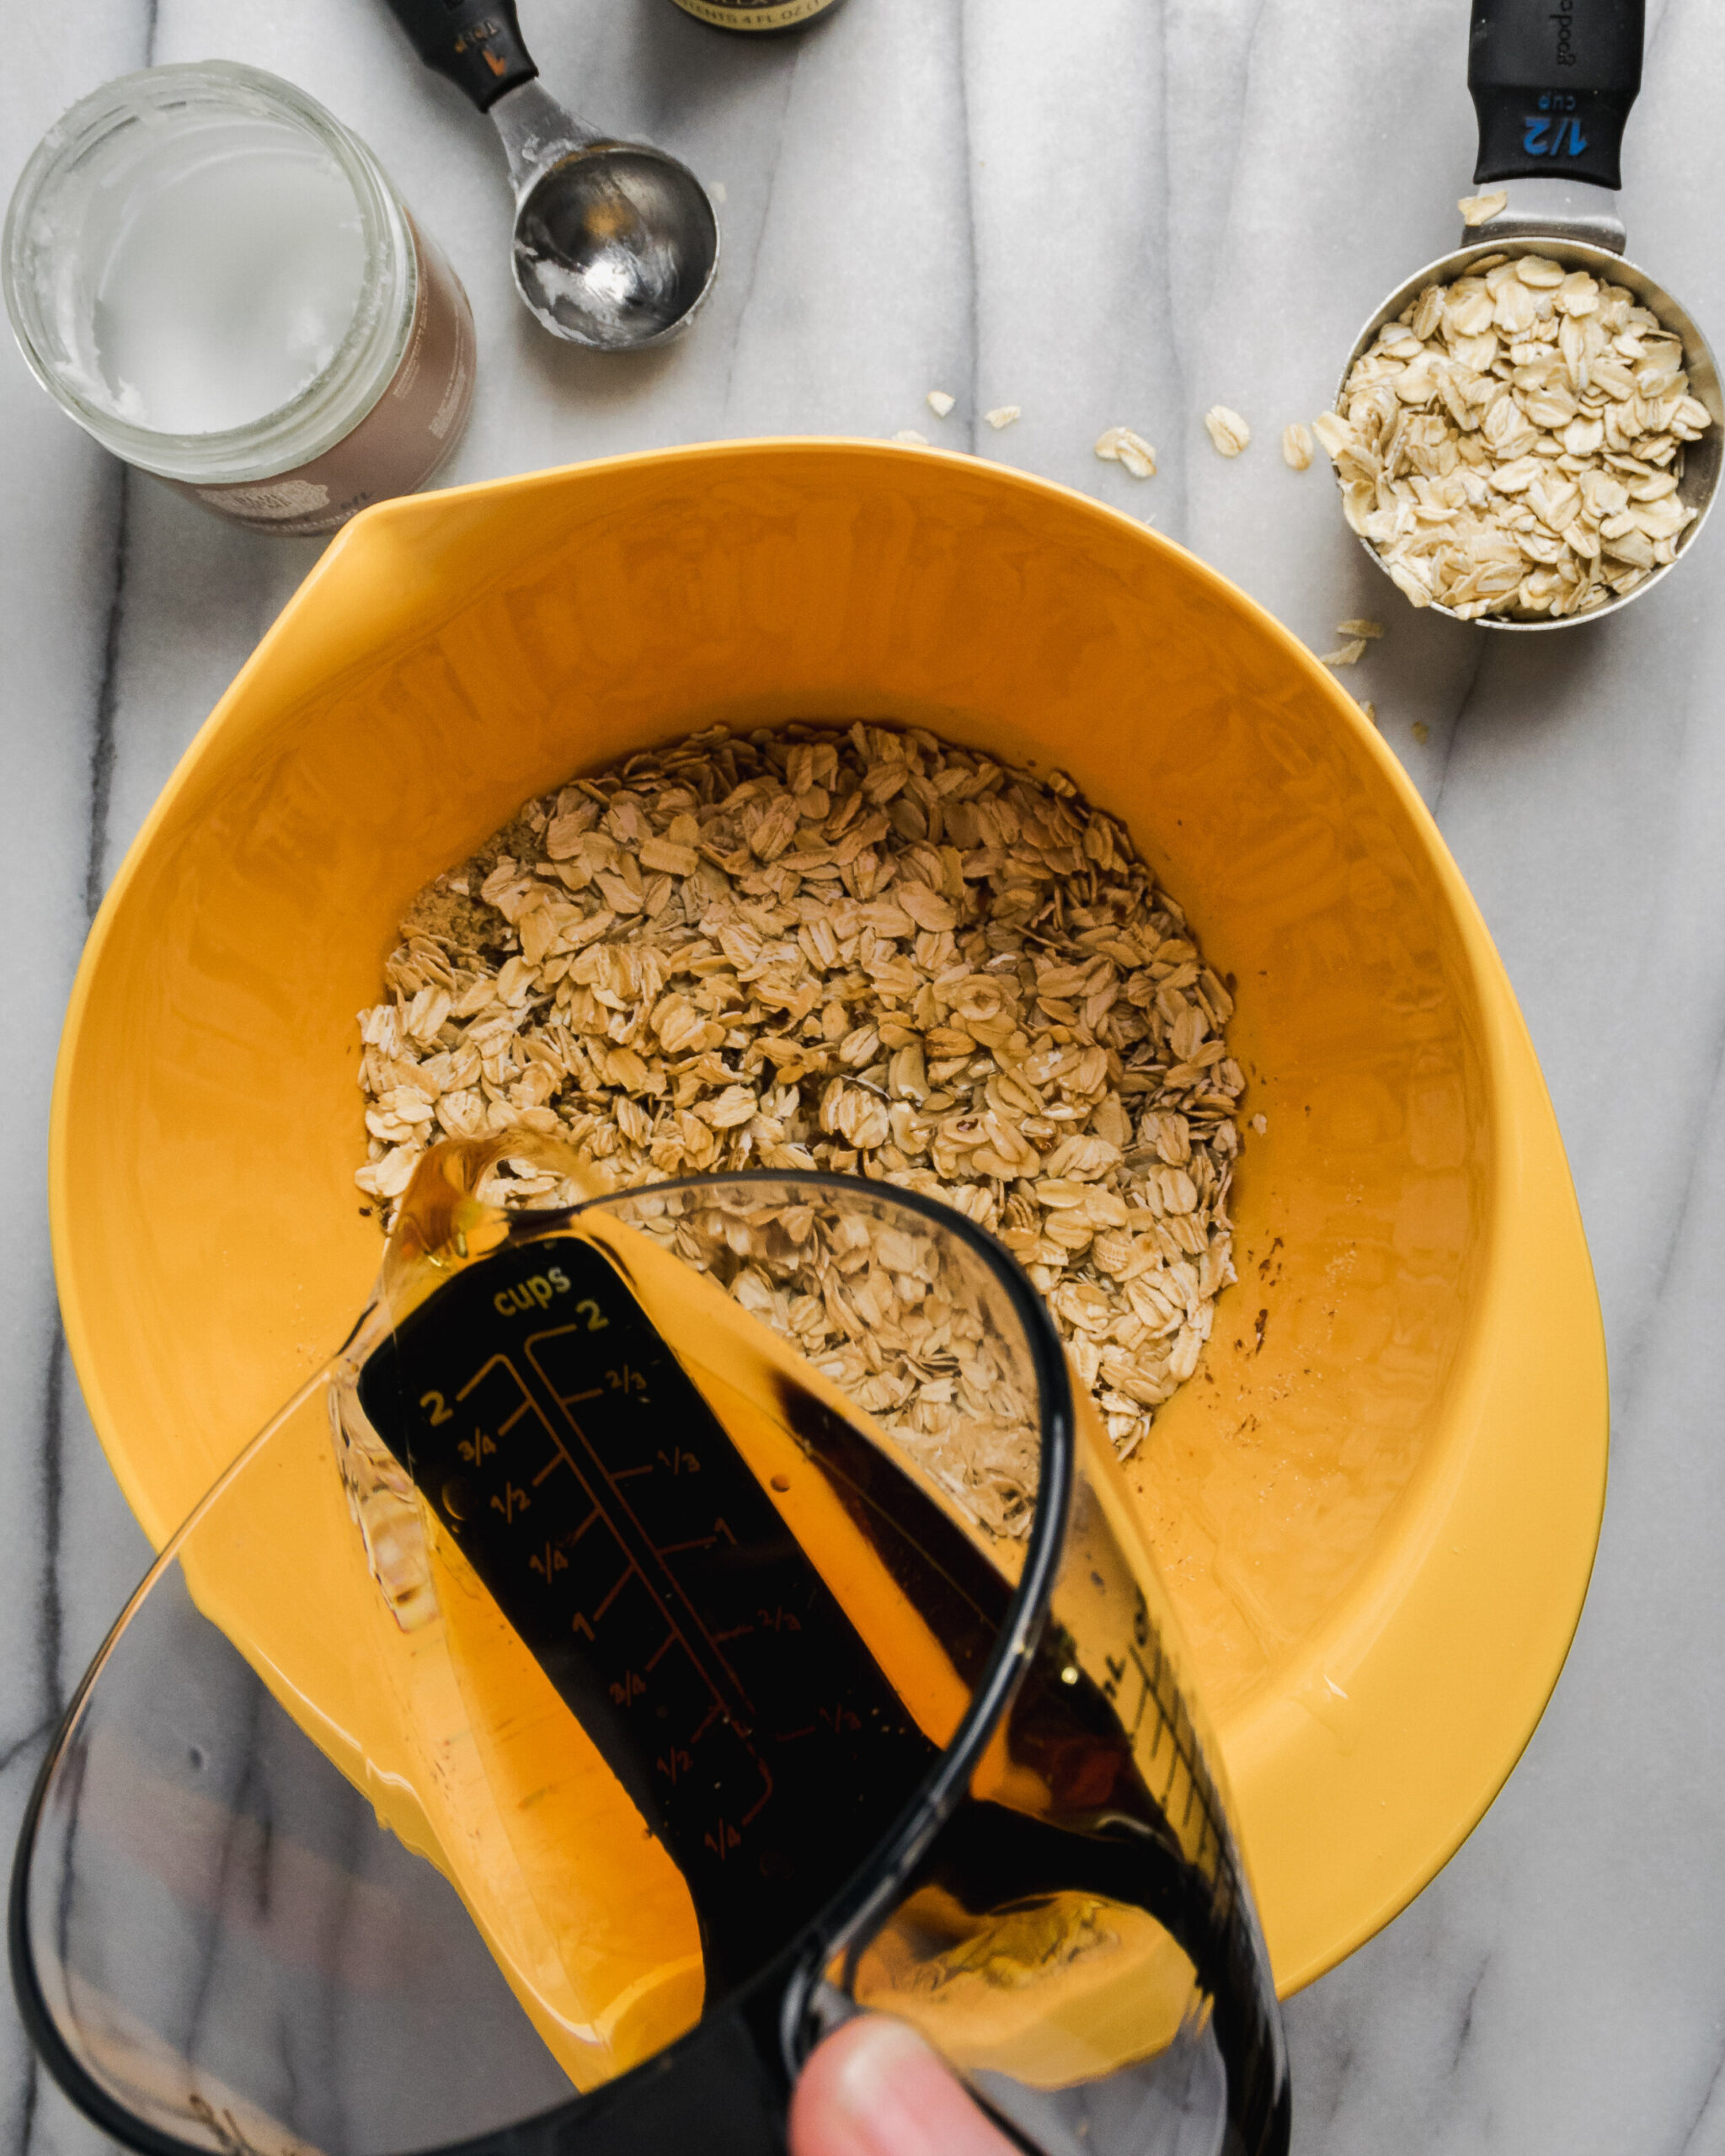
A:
477, 44
1552, 81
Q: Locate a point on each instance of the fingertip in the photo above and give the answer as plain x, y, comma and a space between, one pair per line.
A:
874, 2088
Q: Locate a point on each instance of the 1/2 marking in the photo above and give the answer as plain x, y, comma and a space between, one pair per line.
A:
1533, 140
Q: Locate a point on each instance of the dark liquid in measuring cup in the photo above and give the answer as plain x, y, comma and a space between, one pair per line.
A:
599, 1499
605, 1506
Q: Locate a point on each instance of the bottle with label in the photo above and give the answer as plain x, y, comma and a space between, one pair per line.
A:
758, 16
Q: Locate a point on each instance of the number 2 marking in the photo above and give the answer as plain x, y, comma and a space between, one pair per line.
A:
434, 1402
597, 1319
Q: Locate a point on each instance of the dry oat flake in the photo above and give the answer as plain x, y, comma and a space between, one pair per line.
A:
1296, 446
870, 951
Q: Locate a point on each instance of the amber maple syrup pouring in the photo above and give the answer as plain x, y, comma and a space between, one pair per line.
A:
596, 1495
603, 1504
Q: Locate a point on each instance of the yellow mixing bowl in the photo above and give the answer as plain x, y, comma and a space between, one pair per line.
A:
1378, 1501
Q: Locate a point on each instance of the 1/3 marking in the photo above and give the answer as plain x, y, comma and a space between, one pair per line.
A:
512, 1501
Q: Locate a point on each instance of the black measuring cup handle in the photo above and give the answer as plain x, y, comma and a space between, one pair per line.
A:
1552, 81
476, 43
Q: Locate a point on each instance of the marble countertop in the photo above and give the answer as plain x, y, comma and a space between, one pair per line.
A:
1114, 212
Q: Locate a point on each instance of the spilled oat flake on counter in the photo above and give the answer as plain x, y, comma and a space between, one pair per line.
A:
868, 951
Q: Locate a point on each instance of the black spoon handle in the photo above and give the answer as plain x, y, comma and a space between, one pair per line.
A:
476, 43
1552, 81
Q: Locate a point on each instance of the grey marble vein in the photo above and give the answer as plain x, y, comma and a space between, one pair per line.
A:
1115, 211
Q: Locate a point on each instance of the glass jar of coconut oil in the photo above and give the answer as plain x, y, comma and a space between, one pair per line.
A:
218, 280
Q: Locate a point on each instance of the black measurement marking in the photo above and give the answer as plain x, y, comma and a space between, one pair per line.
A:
629, 1544
666, 1598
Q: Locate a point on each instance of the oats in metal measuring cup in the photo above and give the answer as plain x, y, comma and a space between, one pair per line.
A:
869, 951
1512, 444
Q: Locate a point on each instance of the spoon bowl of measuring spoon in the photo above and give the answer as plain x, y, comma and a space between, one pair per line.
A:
616, 243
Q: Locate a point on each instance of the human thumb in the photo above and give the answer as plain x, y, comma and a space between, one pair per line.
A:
874, 2089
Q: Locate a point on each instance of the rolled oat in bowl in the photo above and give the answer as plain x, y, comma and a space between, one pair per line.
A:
870, 951
1512, 444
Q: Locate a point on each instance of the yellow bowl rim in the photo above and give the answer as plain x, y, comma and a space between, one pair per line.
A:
1507, 1053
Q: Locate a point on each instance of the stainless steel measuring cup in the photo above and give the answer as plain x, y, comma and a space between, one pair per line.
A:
616, 243
607, 1674
1552, 82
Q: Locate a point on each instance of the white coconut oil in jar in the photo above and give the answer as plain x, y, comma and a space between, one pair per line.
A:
218, 280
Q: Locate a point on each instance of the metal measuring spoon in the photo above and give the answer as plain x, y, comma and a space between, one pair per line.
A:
1552, 81
616, 243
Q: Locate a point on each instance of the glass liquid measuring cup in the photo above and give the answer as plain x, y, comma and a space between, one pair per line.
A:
714, 1615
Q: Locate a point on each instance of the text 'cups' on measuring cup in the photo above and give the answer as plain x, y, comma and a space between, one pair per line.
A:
1553, 85
670, 1624
616, 243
